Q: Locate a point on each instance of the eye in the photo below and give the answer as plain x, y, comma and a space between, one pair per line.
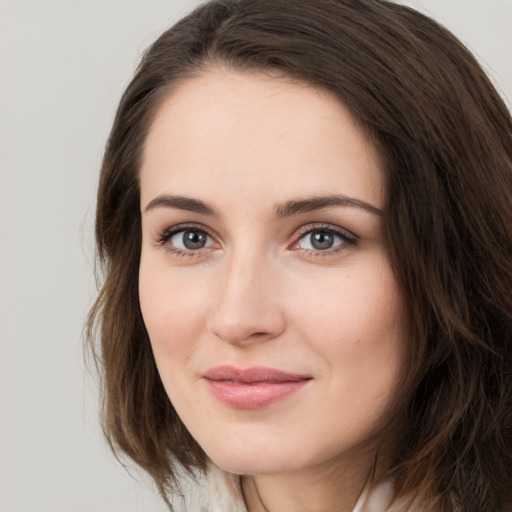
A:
183, 240
319, 240
190, 239
324, 239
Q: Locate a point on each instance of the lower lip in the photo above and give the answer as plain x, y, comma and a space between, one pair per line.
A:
253, 396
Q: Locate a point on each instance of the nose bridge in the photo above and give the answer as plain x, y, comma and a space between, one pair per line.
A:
247, 307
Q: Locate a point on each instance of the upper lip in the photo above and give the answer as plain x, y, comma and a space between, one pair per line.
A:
252, 375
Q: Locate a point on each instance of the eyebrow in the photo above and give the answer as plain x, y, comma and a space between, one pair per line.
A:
287, 209
180, 203
309, 204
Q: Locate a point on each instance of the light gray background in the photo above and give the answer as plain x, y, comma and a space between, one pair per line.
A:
63, 66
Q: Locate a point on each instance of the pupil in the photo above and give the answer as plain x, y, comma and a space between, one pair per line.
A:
322, 240
194, 239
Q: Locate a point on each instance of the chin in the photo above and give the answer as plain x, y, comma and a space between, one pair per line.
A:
257, 459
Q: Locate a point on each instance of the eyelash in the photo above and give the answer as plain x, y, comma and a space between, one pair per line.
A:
166, 235
347, 239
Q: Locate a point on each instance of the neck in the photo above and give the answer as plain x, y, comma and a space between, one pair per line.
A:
318, 489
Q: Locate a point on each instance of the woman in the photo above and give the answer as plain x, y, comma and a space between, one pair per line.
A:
305, 221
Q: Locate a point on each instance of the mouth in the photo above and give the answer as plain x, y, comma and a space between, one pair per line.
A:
252, 388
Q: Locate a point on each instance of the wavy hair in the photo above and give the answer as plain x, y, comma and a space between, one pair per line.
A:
445, 138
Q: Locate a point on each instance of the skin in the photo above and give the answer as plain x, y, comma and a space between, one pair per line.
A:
259, 293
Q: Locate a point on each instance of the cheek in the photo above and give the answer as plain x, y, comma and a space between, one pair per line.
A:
172, 312
362, 308
172, 315
354, 324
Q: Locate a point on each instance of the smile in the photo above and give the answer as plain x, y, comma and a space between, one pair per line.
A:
252, 388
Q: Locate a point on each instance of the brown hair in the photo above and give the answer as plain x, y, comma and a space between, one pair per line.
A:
445, 138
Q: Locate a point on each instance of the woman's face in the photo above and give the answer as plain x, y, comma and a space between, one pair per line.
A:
273, 314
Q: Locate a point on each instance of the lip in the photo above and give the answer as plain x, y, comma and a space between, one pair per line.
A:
254, 387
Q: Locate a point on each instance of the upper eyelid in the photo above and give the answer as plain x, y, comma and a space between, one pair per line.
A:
314, 226
170, 231
305, 228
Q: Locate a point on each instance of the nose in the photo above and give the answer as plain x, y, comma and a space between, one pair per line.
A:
247, 309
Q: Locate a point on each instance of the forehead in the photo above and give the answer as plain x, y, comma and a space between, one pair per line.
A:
259, 130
